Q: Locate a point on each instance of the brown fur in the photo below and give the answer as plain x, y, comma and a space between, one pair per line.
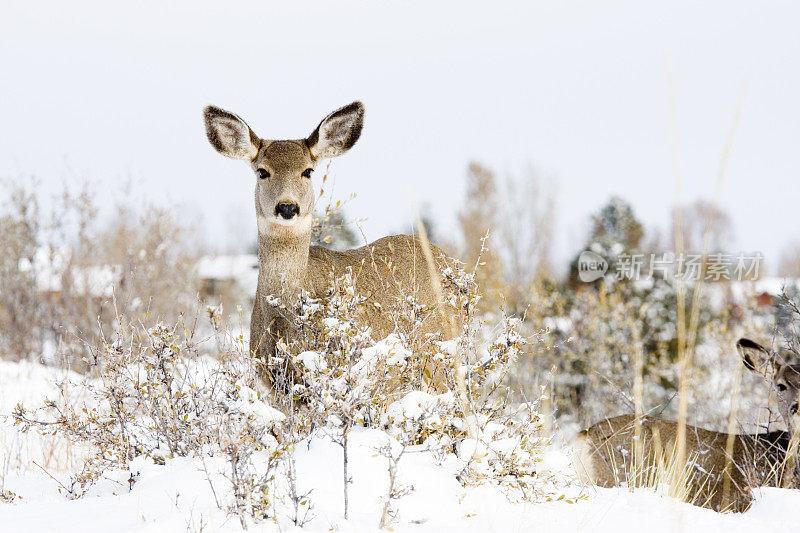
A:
383, 271
605, 451
606, 454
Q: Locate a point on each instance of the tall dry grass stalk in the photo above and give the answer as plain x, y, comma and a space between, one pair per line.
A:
681, 291
687, 333
458, 361
658, 470
638, 398
733, 417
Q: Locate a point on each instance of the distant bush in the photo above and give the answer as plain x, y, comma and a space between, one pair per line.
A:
64, 274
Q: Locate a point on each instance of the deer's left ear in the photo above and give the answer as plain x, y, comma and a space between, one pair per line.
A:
757, 358
337, 132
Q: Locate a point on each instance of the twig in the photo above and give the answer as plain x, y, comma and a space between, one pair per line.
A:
69, 491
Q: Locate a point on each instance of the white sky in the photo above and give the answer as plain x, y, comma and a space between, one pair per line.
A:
108, 90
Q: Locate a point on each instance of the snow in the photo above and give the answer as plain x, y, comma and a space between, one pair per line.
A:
249, 403
178, 495
742, 291
415, 406
49, 264
241, 268
313, 361
390, 349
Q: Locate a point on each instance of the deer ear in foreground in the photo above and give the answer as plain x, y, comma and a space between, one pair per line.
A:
229, 134
718, 469
337, 132
384, 272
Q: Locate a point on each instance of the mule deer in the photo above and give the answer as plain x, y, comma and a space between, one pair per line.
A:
388, 269
720, 468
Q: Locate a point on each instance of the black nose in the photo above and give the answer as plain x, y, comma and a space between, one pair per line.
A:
793, 409
287, 211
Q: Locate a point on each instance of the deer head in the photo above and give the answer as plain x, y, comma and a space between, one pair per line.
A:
284, 194
783, 378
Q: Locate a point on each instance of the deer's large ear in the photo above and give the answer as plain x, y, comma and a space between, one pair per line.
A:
337, 132
229, 134
757, 358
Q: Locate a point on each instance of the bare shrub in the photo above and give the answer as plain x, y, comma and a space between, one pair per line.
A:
407, 383
157, 259
527, 236
19, 299
789, 265
478, 220
701, 221
65, 274
510, 227
155, 396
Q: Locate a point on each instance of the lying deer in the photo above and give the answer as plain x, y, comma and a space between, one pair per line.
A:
720, 469
384, 271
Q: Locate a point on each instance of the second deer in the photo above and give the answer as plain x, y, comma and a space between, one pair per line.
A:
720, 469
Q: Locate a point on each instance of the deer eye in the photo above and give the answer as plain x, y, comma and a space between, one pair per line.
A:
262, 174
781, 387
307, 172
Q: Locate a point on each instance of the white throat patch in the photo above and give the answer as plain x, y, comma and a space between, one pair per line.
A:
277, 224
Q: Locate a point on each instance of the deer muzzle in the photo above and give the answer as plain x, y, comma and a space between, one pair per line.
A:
287, 211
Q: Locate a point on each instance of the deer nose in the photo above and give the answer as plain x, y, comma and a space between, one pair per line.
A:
287, 211
793, 409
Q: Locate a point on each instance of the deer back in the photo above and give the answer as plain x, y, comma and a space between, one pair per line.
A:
606, 454
390, 273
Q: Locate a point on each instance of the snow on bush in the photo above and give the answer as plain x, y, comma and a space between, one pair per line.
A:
152, 396
409, 385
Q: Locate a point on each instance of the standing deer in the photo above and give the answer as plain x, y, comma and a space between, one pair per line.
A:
388, 269
720, 468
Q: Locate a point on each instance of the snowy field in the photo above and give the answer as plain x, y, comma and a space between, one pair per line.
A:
183, 494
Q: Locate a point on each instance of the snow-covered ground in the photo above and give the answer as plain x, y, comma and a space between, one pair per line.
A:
183, 494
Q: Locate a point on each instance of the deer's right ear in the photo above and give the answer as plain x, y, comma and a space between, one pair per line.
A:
229, 134
757, 358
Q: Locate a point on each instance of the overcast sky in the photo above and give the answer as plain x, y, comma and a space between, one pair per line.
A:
108, 90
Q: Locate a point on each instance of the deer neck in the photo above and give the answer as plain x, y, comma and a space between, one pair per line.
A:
283, 263
766, 453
